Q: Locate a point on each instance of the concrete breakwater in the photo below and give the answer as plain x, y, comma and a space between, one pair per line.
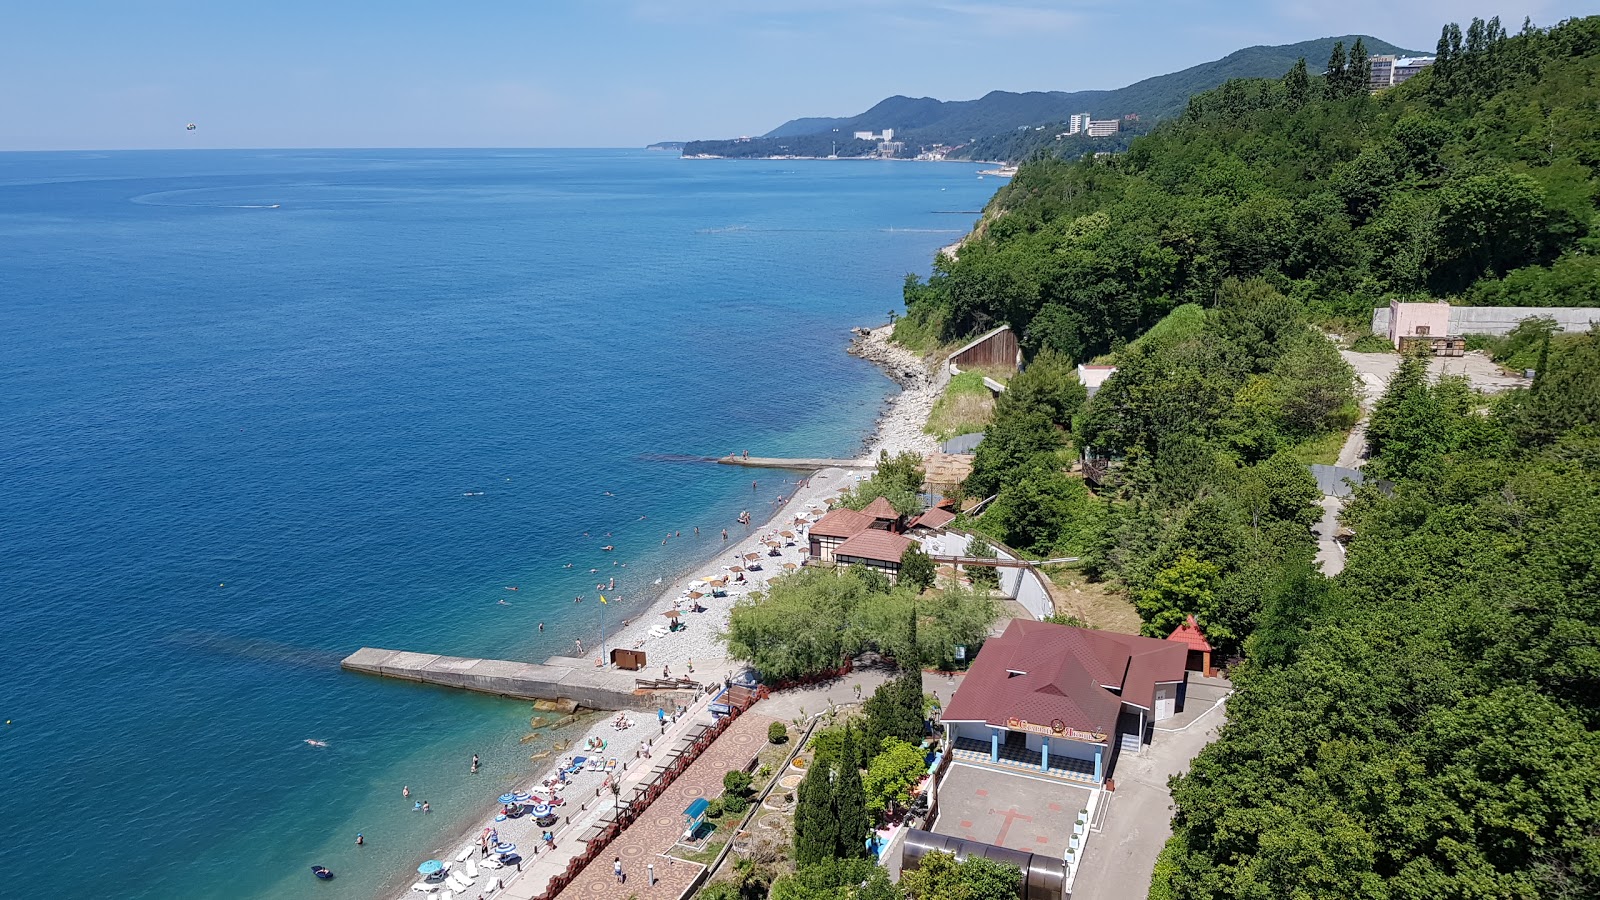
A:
586, 687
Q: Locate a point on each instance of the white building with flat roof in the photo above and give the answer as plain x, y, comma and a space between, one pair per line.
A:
1104, 127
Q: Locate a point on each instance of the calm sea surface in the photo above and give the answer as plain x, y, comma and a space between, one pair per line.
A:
258, 409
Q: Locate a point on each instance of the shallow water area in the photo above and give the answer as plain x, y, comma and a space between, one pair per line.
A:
264, 408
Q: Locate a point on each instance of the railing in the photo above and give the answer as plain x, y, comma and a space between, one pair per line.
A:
628, 814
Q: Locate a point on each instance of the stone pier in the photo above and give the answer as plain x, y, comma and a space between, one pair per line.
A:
590, 688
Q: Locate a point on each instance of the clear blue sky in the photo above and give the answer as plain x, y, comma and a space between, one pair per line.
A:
540, 73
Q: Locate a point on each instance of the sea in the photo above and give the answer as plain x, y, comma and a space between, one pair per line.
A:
259, 409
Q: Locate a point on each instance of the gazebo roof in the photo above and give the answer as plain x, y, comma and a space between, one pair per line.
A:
881, 508
1189, 633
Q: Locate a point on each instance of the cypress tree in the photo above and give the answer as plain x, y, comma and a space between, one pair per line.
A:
1333, 79
816, 829
1358, 72
1297, 85
850, 801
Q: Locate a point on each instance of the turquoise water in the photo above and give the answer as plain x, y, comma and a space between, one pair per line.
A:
263, 408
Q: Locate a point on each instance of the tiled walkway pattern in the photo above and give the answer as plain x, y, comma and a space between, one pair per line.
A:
660, 826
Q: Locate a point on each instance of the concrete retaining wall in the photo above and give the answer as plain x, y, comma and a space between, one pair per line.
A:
1021, 583
1500, 319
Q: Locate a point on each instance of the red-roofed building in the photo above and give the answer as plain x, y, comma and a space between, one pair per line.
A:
833, 529
1190, 635
875, 549
1057, 700
933, 519
884, 516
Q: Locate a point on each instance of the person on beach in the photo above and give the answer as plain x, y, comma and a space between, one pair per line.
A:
580, 646
616, 866
691, 666
666, 672
747, 454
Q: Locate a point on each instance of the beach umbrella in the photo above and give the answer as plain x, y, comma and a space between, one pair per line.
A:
672, 614
431, 867
736, 568
504, 848
790, 566
752, 556
540, 809
521, 796
508, 798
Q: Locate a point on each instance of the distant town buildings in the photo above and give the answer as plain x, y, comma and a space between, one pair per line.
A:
1388, 71
1104, 127
1081, 123
1078, 124
886, 135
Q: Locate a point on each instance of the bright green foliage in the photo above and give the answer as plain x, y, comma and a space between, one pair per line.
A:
736, 781
1426, 725
894, 713
1186, 587
897, 479
816, 823
939, 877
916, 569
777, 733
1043, 510
850, 801
1479, 169
800, 626
837, 879
892, 773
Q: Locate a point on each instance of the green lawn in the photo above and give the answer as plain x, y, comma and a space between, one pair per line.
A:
964, 407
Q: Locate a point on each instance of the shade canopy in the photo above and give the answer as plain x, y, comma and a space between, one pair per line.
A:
431, 867
697, 808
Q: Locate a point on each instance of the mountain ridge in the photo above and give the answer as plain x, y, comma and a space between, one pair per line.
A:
930, 120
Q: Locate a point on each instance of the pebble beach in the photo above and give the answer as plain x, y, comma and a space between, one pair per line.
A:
761, 552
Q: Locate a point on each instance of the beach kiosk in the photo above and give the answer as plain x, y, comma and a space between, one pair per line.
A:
694, 816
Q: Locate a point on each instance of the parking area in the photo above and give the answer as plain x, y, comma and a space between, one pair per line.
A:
1136, 819
1017, 811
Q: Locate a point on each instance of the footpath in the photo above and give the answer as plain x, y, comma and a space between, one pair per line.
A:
565, 872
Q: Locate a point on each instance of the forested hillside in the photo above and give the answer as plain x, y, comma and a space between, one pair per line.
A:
1476, 178
1424, 724
998, 114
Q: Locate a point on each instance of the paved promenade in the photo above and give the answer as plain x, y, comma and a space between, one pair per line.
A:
654, 832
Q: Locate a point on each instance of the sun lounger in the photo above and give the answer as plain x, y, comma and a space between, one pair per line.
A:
460, 882
472, 870
490, 863
424, 887
447, 895
577, 764
611, 764
465, 852
658, 632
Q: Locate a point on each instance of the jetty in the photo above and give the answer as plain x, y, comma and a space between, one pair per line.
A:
770, 462
555, 681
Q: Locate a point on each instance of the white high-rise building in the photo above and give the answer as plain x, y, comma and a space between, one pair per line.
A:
1078, 124
1104, 127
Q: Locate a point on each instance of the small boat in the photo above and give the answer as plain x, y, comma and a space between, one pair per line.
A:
322, 872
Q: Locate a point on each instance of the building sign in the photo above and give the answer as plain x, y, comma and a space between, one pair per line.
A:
1056, 728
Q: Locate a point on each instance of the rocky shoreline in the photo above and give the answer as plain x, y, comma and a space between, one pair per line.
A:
900, 426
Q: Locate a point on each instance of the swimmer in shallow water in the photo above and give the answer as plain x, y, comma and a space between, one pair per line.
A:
316, 743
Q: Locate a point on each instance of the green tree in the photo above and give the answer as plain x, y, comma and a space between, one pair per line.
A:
939, 877
982, 577
736, 781
1007, 445
800, 626
916, 569
891, 715
1187, 587
837, 879
850, 802
1297, 84
816, 824
897, 479
892, 773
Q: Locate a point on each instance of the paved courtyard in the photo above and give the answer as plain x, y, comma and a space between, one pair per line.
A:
659, 827
1017, 811
1137, 818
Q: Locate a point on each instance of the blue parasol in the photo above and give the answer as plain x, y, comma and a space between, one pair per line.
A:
431, 867
540, 809
522, 796
503, 848
508, 798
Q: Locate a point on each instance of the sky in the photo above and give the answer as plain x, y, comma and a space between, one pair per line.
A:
130, 74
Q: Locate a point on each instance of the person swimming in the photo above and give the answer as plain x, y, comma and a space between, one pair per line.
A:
316, 743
